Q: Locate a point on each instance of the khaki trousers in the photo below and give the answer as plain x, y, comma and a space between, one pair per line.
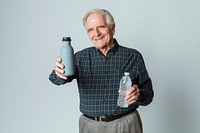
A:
130, 123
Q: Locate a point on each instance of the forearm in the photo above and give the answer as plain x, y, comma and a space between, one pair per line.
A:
146, 93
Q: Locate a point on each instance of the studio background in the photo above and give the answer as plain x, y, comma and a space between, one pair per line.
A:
166, 32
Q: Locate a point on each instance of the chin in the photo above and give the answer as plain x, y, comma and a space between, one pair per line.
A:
98, 47
99, 44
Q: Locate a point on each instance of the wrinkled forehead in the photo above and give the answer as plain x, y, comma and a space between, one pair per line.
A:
96, 20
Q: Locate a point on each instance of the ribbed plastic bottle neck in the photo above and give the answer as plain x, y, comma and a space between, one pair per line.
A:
126, 75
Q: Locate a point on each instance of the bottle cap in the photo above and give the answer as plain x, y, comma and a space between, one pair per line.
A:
126, 73
66, 39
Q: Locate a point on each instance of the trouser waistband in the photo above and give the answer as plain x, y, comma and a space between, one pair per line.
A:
109, 118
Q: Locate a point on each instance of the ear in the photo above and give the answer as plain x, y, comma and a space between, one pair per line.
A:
113, 30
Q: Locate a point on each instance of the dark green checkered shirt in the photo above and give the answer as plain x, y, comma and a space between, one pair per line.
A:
98, 79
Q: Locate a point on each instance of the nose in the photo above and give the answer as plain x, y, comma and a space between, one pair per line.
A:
96, 32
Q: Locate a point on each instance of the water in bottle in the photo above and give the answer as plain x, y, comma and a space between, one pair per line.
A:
67, 55
125, 85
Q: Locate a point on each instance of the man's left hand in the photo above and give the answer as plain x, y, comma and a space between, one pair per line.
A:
133, 95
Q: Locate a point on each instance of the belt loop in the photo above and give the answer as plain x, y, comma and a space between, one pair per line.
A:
100, 118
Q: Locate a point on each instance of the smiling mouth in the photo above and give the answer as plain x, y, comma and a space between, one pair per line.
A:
98, 38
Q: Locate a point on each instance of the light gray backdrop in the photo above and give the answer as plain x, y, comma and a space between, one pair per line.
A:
166, 32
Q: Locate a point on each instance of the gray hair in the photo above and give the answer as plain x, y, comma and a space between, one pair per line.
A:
109, 18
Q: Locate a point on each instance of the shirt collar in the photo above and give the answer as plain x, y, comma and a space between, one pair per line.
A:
115, 47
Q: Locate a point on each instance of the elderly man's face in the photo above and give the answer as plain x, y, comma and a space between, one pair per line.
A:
100, 34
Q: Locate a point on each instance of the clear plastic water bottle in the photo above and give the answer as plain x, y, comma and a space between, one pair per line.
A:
67, 55
125, 85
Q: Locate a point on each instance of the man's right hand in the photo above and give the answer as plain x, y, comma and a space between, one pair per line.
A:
59, 69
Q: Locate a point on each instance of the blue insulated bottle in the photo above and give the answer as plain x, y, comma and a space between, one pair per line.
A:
67, 55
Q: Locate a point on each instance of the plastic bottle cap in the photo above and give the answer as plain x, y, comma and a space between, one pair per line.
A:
126, 73
66, 39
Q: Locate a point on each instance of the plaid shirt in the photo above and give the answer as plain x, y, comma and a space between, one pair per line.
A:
98, 79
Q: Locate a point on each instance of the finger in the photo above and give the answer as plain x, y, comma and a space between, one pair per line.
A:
132, 100
58, 70
60, 75
59, 59
133, 95
59, 65
59, 62
130, 96
133, 89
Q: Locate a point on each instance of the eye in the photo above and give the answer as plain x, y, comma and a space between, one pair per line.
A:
101, 27
89, 30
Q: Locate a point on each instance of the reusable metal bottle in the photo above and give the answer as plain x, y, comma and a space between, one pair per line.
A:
67, 55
